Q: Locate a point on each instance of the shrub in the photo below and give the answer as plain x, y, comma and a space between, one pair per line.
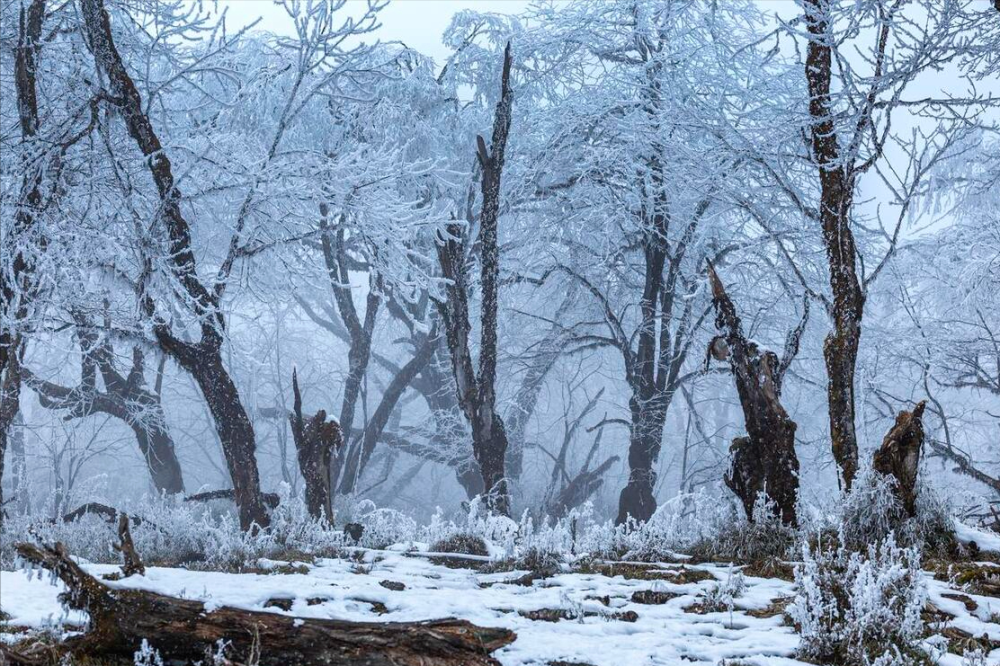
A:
463, 542
763, 541
872, 512
721, 596
859, 608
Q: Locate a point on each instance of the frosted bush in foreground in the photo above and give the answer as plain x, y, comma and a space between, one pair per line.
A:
860, 608
679, 524
722, 595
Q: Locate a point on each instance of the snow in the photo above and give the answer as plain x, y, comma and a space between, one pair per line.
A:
985, 540
342, 589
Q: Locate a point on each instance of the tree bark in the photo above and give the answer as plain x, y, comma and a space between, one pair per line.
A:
764, 461
184, 630
836, 179
899, 455
477, 392
203, 360
316, 441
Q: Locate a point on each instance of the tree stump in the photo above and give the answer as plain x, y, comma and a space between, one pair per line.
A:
316, 439
899, 455
764, 461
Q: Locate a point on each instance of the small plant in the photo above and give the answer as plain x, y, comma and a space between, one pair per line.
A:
721, 596
975, 657
147, 655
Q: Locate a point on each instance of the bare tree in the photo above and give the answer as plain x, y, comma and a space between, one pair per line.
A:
202, 359
477, 391
17, 283
125, 397
850, 125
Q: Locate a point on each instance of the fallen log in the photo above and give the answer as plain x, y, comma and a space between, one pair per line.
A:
271, 500
184, 630
109, 513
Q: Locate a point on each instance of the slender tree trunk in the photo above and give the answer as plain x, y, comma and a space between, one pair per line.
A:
840, 351
476, 392
16, 294
357, 462
10, 403
19, 464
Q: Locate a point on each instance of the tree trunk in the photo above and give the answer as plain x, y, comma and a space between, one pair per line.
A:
363, 449
123, 398
645, 439
157, 447
836, 200
899, 455
477, 391
19, 463
184, 630
235, 432
316, 441
16, 294
10, 404
765, 460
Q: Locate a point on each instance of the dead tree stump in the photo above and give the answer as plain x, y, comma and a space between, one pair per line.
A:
764, 461
184, 630
131, 562
899, 455
316, 439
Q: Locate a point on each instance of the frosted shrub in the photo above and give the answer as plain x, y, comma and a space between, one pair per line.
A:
385, 527
722, 595
761, 539
146, 655
860, 608
974, 658
678, 525
171, 533
871, 512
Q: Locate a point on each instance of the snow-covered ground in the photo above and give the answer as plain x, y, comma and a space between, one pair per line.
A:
664, 633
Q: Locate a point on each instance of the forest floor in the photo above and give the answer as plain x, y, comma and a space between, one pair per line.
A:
604, 614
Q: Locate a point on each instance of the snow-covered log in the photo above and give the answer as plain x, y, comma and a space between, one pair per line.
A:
184, 629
